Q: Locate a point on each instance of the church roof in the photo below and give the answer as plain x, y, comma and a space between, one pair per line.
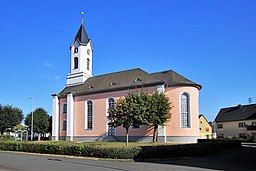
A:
123, 80
236, 113
81, 36
128, 79
172, 78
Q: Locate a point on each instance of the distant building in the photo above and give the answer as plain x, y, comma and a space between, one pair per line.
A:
205, 128
80, 109
236, 122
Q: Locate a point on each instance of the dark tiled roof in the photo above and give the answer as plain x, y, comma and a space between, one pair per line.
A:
172, 78
122, 80
236, 113
129, 79
82, 36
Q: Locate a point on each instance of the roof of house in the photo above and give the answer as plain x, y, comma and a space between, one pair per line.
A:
236, 113
82, 36
128, 79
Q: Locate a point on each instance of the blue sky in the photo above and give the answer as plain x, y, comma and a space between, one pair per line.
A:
212, 43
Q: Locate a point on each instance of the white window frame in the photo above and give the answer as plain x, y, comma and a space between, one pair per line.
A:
189, 110
86, 114
107, 106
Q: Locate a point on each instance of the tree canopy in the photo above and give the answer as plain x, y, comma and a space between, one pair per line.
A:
40, 121
9, 117
159, 112
124, 112
141, 109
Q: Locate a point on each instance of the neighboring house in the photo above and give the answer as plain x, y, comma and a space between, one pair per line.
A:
236, 122
80, 109
205, 128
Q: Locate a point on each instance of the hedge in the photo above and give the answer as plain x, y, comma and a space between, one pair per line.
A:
120, 152
185, 150
6, 137
71, 149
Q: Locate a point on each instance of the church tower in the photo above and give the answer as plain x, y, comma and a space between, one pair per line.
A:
80, 58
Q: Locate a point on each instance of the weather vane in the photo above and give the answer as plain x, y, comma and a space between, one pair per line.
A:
82, 17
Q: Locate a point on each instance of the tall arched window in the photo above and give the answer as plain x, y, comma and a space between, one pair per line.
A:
89, 114
64, 108
185, 111
75, 62
88, 64
111, 102
76, 50
64, 125
111, 129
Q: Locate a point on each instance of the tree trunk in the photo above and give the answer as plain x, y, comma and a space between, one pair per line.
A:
127, 136
39, 137
2, 131
155, 133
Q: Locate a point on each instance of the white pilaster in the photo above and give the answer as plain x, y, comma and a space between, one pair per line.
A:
161, 129
70, 117
55, 117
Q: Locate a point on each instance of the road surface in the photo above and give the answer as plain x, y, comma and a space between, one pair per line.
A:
237, 159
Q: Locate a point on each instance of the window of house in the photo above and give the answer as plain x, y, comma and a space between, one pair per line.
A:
88, 51
64, 108
88, 64
241, 124
76, 50
89, 114
75, 62
220, 135
64, 125
242, 135
135, 126
206, 129
219, 126
185, 122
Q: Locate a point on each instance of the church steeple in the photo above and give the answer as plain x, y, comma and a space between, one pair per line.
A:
80, 58
81, 36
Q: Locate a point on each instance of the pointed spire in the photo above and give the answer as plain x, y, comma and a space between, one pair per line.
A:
82, 36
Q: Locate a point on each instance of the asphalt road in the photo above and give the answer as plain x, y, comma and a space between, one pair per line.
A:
237, 159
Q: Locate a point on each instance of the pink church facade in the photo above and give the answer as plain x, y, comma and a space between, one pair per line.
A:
80, 109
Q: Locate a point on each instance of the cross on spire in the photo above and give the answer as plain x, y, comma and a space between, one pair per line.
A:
82, 14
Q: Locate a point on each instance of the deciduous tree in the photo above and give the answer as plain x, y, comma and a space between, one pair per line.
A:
40, 121
9, 117
159, 112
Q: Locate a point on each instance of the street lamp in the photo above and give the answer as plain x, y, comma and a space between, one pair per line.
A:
32, 119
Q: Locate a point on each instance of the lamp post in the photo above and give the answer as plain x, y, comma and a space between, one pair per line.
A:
32, 118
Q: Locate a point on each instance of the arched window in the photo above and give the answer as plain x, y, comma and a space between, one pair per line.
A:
64, 125
111, 129
64, 108
76, 50
185, 111
89, 114
75, 62
111, 102
88, 64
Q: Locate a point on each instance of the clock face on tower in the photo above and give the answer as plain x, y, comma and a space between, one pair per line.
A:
88, 51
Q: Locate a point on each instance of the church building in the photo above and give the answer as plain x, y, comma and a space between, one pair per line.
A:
79, 111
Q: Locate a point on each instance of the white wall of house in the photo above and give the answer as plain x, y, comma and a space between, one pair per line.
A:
231, 129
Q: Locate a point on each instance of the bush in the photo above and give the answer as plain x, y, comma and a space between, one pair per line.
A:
120, 152
71, 149
185, 150
6, 137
